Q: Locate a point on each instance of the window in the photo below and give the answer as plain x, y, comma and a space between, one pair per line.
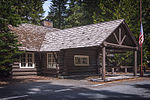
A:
80, 60
51, 60
27, 60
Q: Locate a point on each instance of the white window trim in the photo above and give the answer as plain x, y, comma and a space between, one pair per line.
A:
33, 65
82, 56
47, 61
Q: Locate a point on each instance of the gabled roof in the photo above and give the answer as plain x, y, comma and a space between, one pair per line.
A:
83, 36
40, 38
31, 36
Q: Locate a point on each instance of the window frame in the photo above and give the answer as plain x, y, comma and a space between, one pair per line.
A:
26, 61
81, 56
54, 66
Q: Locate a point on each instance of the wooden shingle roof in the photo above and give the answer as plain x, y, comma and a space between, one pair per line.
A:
31, 36
83, 36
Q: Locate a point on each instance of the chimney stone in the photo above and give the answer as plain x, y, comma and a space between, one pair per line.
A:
47, 24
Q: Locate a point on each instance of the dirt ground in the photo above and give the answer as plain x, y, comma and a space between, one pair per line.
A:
27, 79
23, 79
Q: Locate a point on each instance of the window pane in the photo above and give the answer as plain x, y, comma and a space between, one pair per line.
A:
26, 60
51, 60
23, 60
84, 61
29, 59
77, 60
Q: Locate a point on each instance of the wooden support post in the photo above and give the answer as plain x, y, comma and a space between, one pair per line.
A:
119, 36
113, 70
103, 63
126, 70
98, 60
135, 63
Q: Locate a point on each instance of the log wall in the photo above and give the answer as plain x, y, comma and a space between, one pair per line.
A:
67, 63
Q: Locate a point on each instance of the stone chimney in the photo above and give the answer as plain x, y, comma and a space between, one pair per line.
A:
47, 24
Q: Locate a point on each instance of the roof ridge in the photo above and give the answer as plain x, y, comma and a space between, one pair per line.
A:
38, 26
91, 24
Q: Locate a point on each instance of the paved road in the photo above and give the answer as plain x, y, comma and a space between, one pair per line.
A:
77, 90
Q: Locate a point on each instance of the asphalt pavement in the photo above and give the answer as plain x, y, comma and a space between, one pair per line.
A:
69, 89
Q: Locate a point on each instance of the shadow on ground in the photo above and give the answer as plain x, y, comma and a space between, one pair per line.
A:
145, 86
50, 91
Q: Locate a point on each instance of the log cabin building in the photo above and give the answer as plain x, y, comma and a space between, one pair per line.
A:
72, 51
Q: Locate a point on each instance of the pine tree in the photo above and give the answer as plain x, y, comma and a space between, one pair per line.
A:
80, 12
30, 11
118, 9
90, 6
77, 17
8, 41
57, 13
146, 28
13, 12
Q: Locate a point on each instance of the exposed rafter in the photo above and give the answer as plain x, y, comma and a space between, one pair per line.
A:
119, 35
119, 40
122, 40
116, 37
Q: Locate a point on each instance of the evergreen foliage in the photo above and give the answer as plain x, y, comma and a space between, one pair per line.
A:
130, 11
146, 28
8, 41
57, 13
14, 12
118, 9
77, 17
30, 11
80, 12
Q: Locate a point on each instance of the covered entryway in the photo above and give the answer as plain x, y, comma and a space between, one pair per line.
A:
119, 41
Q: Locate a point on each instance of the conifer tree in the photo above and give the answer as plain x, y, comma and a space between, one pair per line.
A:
8, 41
13, 12
80, 12
30, 11
57, 13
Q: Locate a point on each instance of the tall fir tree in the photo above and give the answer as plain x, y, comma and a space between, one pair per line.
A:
8, 41
57, 13
13, 12
118, 9
146, 28
76, 17
30, 11
80, 12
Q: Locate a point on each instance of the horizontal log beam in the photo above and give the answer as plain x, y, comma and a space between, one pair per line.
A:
115, 51
107, 44
126, 66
